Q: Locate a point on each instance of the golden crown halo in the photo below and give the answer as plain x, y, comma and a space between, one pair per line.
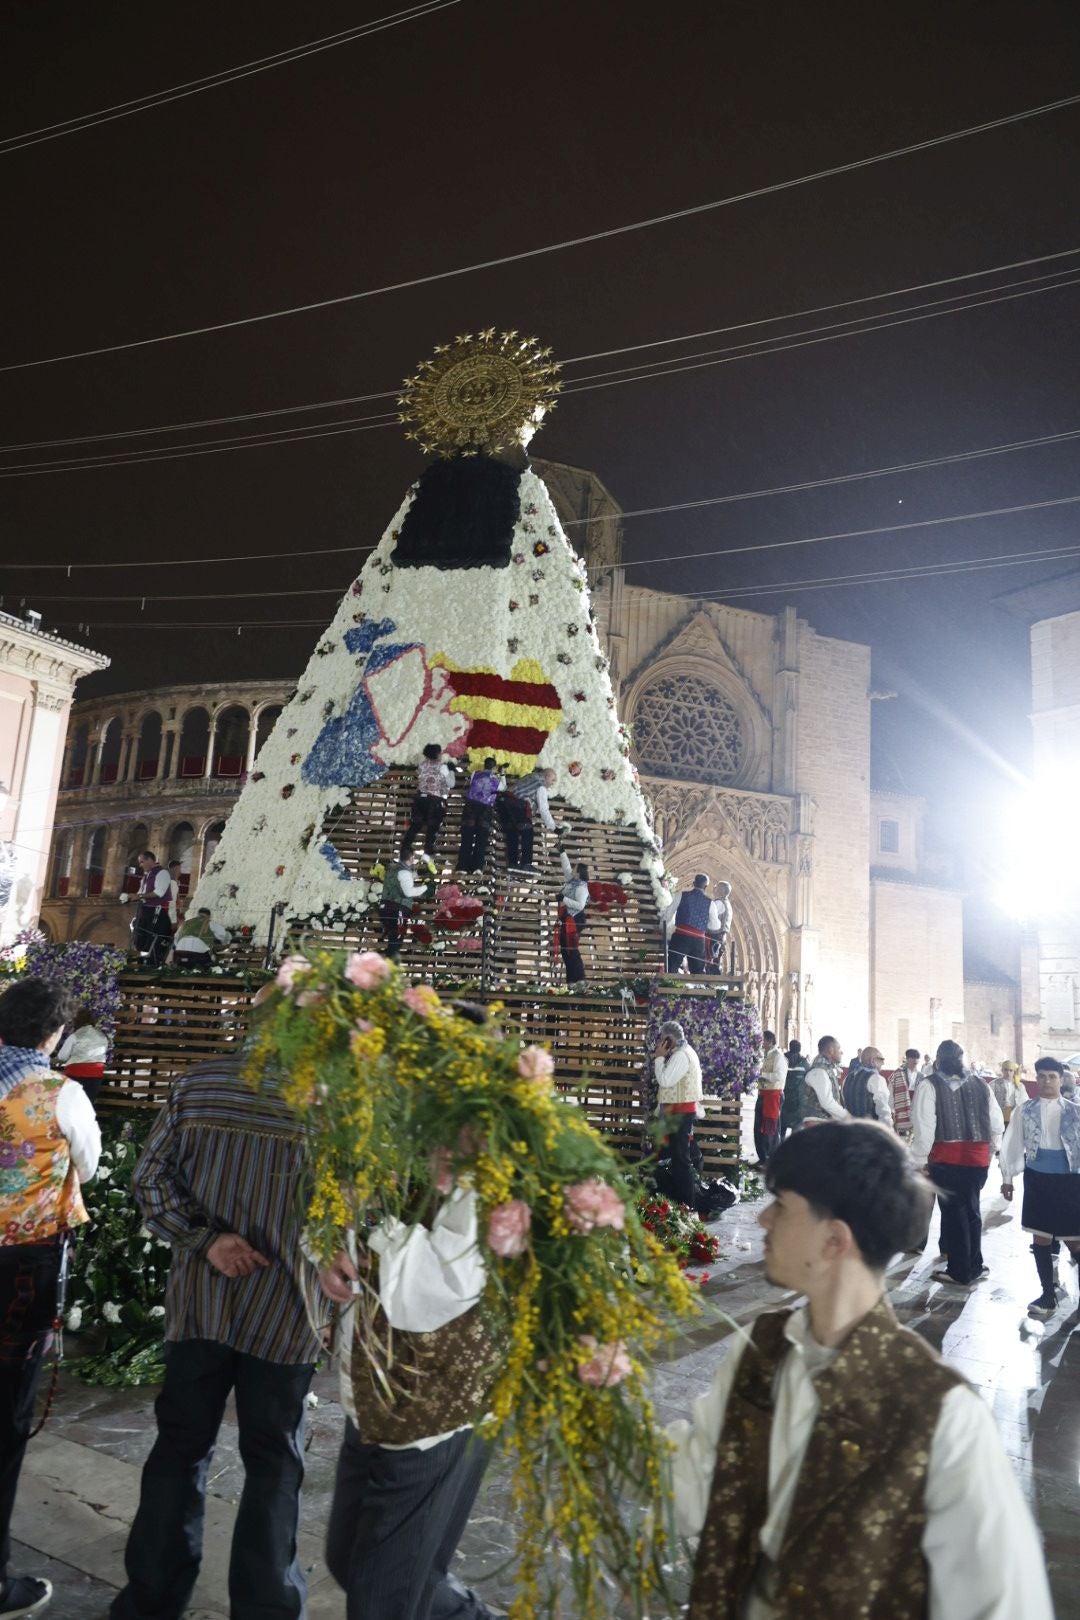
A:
480, 393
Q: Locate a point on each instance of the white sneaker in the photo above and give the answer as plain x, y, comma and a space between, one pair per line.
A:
23, 1596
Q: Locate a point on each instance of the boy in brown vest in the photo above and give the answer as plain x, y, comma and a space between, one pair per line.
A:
838, 1469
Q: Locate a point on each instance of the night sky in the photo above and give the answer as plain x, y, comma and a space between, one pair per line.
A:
489, 128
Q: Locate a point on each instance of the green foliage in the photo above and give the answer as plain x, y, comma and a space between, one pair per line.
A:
116, 1295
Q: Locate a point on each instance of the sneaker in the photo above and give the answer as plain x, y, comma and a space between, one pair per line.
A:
1044, 1306
24, 1595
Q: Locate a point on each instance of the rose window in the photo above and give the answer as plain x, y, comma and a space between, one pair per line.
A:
684, 727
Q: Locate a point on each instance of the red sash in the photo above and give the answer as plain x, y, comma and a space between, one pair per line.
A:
695, 933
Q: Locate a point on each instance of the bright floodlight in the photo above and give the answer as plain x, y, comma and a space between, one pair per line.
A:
1039, 854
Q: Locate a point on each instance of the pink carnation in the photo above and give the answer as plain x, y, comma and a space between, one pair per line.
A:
593, 1203
535, 1064
290, 969
508, 1228
367, 969
608, 1364
420, 999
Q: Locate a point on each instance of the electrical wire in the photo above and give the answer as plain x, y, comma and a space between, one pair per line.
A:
606, 380
969, 565
211, 81
554, 247
835, 479
638, 562
602, 354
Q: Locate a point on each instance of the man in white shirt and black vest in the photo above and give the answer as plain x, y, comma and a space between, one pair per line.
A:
821, 1091
153, 930
573, 918
866, 1091
838, 1469
956, 1127
694, 918
401, 888
679, 1092
1042, 1143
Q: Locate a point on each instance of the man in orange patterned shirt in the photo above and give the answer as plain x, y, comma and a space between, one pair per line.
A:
49, 1144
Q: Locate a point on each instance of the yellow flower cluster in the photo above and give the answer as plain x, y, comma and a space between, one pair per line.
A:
395, 1090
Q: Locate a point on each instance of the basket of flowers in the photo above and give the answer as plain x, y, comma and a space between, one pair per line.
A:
406, 1102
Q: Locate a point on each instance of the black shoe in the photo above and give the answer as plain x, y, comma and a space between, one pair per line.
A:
954, 1282
1044, 1306
24, 1595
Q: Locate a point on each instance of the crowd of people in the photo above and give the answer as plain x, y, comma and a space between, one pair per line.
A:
820, 1419
164, 929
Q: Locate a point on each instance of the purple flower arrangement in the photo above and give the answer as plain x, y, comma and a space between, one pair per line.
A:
89, 973
726, 1035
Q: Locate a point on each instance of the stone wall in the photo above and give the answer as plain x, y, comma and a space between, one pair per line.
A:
917, 976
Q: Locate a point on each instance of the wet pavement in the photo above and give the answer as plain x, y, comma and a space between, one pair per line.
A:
80, 1481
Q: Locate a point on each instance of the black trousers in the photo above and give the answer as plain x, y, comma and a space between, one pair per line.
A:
575, 967
680, 1129
153, 934
426, 816
515, 819
164, 1549
393, 921
961, 1219
29, 1273
476, 820
395, 1522
690, 946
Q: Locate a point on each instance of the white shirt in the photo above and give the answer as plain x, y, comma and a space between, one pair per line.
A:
924, 1118
981, 1547
680, 1068
1012, 1148
78, 1122
719, 916
189, 942
174, 891
426, 1279
878, 1087
817, 1079
411, 887
85, 1045
773, 1070
575, 895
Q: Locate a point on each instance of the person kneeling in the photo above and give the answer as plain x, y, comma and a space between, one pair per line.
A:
838, 1467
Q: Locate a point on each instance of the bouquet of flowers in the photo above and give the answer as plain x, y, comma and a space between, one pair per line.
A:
678, 1230
402, 1097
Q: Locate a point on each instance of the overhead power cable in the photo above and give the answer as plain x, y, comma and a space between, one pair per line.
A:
699, 502
211, 81
556, 247
611, 379
969, 565
579, 359
638, 562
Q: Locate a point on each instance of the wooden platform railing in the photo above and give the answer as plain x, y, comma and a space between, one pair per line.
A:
170, 1023
513, 943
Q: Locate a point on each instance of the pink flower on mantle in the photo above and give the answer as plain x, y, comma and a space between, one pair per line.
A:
367, 969
508, 1228
535, 1064
289, 969
608, 1364
590, 1204
421, 999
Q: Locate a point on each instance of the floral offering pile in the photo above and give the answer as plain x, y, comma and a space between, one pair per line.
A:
401, 1098
678, 1230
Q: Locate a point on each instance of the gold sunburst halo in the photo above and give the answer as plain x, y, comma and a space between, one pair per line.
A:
479, 394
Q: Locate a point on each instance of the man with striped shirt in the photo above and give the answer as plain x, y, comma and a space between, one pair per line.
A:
219, 1179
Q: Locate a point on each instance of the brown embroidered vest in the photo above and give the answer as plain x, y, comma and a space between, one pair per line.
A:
852, 1546
437, 1381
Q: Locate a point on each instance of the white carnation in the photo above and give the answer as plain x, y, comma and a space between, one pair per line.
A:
74, 1319
103, 1172
110, 1312
157, 1310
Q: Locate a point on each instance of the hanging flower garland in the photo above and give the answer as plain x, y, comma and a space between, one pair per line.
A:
400, 1098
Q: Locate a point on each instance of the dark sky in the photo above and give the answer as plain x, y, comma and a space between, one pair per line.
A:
489, 128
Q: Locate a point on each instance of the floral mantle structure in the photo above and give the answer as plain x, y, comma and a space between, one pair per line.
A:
403, 1099
469, 626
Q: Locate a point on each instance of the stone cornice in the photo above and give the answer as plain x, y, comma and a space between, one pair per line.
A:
40, 655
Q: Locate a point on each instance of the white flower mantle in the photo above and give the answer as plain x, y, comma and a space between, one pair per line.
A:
420, 621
